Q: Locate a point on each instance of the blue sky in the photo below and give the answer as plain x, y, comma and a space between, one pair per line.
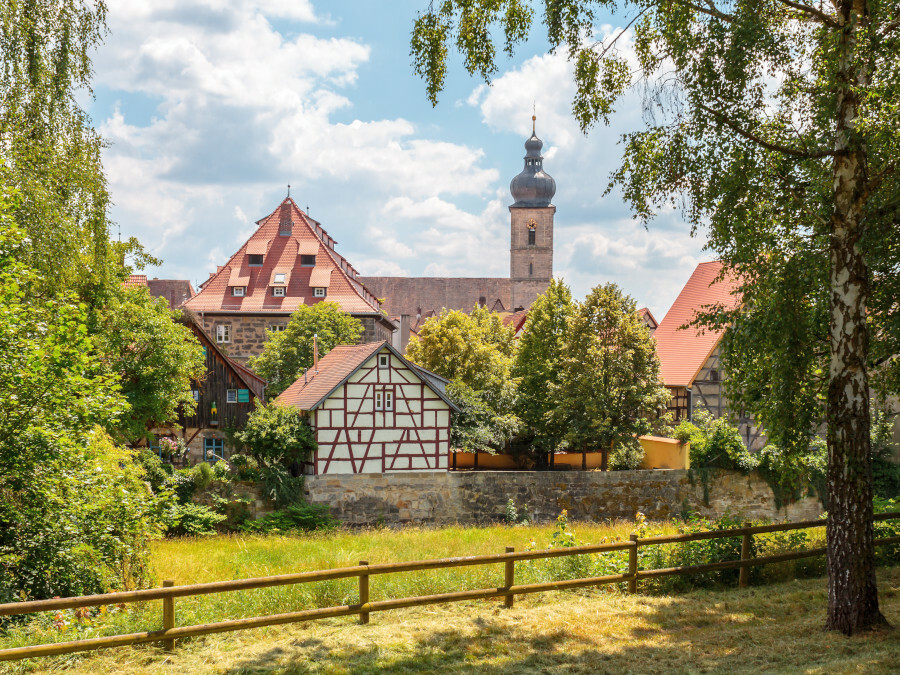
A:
211, 108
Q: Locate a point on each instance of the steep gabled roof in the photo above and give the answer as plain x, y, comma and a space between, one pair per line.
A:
134, 280
282, 255
175, 291
682, 353
648, 318
336, 367
251, 380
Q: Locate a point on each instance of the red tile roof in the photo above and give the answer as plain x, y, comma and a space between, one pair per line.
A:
135, 280
648, 317
516, 320
282, 254
336, 366
682, 353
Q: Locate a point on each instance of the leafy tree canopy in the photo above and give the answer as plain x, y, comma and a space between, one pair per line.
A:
153, 356
476, 353
539, 363
277, 435
774, 124
289, 352
608, 392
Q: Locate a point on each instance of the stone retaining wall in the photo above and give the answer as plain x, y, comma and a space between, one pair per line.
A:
480, 497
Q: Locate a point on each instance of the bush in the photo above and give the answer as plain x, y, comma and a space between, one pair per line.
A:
512, 515
626, 456
793, 476
156, 472
245, 468
203, 476
304, 517
193, 520
715, 443
184, 484
281, 487
221, 472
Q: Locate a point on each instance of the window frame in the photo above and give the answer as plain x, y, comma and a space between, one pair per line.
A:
238, 291
320, 292
231, 396
279, 291
253, 257
196, 394
278, 327
217, 444
384, 361
389, 400
379, 400
223, 333
305, 260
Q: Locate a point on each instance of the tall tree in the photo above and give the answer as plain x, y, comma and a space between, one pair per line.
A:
539, 363
608, 392
476, 353
289, 352
777, 124
153, 356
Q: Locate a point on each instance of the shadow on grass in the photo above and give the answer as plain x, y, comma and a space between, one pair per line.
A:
776, 628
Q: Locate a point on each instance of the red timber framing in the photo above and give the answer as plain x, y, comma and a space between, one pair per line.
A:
410, 431
373, 412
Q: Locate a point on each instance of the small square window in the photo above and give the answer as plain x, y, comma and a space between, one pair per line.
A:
308, 260
318, 292
231, 396
255, 260
379, 400
279, 278
278, 291
196, 394
238, 291
223, 333
213, 450
384, 360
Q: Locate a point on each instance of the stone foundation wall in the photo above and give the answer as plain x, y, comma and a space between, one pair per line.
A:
480, 497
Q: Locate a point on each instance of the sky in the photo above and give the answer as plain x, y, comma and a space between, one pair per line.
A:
212, 108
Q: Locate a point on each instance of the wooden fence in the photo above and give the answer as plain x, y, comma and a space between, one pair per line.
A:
364, 571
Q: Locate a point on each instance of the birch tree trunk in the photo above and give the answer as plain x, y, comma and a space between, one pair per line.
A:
852, 592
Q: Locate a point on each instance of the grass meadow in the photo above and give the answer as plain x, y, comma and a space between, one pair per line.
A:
673, 628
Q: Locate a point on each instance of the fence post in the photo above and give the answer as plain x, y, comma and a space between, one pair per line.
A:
168, 617
509, 578
744, 576
363, 593
633, 564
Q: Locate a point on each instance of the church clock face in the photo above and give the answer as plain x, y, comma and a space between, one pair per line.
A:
532, 224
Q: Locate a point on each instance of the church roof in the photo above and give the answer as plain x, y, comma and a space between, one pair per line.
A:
427, 296
682, 353
281, 238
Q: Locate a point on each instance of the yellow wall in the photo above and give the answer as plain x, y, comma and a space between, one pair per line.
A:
665, 453
659, 453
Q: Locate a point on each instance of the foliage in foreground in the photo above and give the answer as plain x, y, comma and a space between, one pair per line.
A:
294, 518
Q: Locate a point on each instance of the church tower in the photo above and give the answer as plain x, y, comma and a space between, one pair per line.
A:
531, 227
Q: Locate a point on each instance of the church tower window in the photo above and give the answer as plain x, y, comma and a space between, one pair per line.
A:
531, 269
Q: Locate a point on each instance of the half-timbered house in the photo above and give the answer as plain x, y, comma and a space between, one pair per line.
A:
689, 356
373, 412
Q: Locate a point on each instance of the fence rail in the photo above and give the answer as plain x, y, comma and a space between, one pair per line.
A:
364, 571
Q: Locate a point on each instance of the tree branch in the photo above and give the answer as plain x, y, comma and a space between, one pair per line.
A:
827, 19
768, 145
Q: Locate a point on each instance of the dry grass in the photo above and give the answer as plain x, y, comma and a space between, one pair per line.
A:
775, 628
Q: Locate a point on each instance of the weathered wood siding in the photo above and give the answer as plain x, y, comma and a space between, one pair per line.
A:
220, 377
354, 437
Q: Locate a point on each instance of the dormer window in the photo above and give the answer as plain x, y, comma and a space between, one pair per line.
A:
278, 291
308, 260
255, 260
238, 291
279, 278
318, 292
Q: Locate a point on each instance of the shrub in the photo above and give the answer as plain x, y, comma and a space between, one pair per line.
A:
626, 455
203, 476
281, 487
792, 476
221, 472
184, 484
512, 516
156, 472
304, 517
245, 467
195, 520
715, 443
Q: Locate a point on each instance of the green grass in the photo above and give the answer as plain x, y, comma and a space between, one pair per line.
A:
189, 561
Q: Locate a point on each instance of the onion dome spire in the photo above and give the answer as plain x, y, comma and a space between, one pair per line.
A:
533, 187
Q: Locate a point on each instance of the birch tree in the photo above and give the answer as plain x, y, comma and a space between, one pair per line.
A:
774, 124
